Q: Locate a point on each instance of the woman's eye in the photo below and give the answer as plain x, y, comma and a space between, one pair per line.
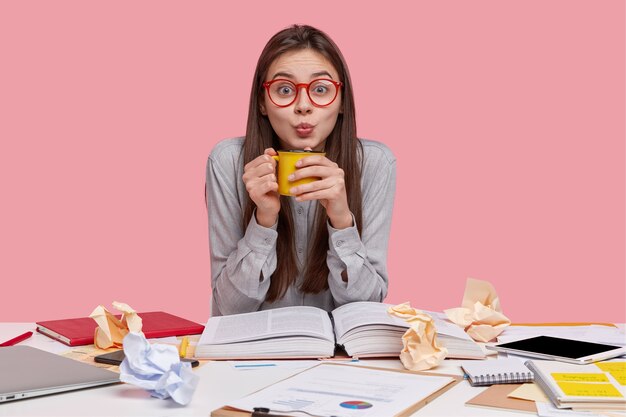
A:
284, 90
320, 89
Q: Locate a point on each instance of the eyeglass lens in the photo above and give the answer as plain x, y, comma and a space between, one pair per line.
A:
321, 92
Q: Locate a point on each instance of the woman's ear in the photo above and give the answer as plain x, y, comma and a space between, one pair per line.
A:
262, 109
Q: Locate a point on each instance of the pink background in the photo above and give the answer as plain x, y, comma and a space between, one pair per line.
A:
507, 120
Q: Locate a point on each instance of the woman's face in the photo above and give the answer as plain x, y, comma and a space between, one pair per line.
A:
302, 124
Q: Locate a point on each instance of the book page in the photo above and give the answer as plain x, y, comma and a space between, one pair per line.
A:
446, 327
287, 321
362, 313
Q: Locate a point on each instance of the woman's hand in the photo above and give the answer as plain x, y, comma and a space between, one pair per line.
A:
330, 190
260, 180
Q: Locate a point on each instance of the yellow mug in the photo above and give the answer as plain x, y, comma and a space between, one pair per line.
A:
287, 166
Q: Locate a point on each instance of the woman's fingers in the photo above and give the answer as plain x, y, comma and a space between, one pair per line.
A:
327, 194
327, 184
261, 183
266, 158
318, 171
264, 192
259, 167
259, 178
315, 160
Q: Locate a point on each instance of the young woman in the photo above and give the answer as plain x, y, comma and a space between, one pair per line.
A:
327, 244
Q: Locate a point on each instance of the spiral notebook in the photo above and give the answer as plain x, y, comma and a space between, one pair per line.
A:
499, 371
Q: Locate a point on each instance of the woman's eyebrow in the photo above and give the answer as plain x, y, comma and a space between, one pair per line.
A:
282, 74
321, 73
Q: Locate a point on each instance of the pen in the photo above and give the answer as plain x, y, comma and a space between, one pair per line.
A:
255, 365
183, 347
17, 339
265, 412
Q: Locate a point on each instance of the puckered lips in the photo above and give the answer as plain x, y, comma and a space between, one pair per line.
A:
304, 130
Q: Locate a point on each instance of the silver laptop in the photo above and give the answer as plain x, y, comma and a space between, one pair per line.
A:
28, 372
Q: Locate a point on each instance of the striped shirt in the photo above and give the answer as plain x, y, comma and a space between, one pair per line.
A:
242, 261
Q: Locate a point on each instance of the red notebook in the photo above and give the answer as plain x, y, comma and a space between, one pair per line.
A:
80, 331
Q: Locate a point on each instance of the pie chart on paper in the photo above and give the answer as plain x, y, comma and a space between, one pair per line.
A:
356, 405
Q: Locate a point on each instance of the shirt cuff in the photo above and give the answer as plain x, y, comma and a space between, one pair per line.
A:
260, 239
344, 241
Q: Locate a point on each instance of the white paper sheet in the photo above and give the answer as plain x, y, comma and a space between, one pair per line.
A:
549, 410
335, 390
282, 364
170, 340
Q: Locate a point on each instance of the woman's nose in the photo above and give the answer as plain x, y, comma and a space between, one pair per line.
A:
303, 103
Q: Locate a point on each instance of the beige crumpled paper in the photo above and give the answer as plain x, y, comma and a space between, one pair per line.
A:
111, 330
420, 350
480, 315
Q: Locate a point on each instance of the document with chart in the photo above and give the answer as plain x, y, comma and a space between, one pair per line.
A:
347, 390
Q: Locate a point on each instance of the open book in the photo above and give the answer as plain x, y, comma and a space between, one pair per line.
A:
362, 329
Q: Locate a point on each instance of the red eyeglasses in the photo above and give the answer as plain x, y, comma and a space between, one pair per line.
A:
322, 91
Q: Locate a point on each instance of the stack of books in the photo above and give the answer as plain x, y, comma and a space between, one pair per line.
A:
597, 386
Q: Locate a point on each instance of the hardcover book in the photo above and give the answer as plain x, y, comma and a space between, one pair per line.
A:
80, 331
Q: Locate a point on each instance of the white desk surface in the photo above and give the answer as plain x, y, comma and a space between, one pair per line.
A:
219, 384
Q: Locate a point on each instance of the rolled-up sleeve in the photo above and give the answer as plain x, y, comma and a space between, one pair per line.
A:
364, 258
241, 261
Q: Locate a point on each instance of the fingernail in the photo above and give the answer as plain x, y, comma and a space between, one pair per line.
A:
293, 190
298, 163
291, 177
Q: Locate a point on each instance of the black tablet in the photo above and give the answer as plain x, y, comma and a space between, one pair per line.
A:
556, 348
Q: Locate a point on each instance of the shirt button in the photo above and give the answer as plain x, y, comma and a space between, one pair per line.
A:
300, 210
339, 243
267, 240
299, 250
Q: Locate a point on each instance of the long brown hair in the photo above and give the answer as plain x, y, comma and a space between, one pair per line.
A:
342, 147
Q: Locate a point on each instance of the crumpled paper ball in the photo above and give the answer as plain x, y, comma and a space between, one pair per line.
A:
420, 349
111, 330
480, 313
157, 368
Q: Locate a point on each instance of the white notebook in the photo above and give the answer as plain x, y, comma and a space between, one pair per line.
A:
498, 371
